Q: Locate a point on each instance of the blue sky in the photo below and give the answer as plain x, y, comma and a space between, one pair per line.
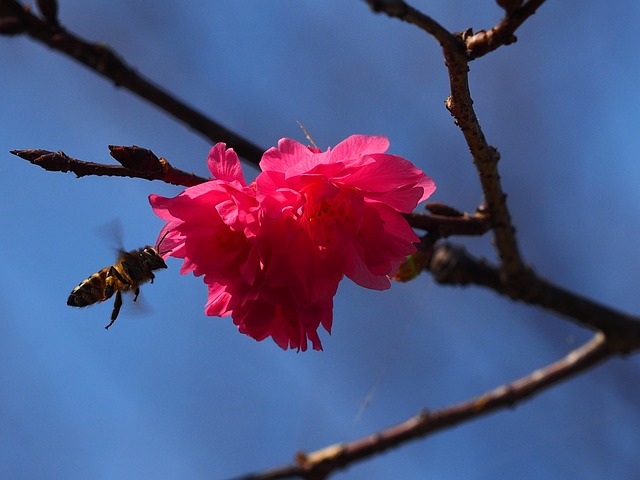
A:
170, 393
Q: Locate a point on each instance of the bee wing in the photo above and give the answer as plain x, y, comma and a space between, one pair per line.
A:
138, 308
113, 232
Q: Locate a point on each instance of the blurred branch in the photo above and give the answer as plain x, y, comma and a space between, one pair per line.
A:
322, 463
17, 19
453, 265
137, 163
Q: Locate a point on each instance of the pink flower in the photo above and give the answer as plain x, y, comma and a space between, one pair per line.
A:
349, 200
273, 253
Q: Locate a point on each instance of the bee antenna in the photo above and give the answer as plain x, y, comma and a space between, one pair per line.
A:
160, 243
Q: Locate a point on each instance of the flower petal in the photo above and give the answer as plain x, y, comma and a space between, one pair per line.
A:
224, 164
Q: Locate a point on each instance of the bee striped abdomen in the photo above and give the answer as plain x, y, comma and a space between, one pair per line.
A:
91, 290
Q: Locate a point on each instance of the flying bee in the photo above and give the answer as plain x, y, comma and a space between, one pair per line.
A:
131, 270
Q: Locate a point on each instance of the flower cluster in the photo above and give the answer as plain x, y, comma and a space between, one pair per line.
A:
273, 252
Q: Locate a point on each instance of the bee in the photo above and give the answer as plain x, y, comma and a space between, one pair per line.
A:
131, 270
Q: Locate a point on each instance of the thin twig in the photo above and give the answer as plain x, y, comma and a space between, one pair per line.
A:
487, 41
323, 462
446, 225
61, 162
106, 62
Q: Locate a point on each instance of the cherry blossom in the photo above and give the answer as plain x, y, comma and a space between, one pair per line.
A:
272, 253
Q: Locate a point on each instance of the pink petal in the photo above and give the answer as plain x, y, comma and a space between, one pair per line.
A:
394, 181
218, 301
288, 154
359, 145
224, 164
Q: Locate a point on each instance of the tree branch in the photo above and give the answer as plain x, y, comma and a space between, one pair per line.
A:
444, 221
320, 464
16, 19
147, 166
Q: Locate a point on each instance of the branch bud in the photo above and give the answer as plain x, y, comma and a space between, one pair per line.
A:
136, 158
52, 161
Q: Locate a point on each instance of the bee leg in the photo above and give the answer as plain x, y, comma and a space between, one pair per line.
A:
108, 284
151, 276
116, 308
136, 292
110, 281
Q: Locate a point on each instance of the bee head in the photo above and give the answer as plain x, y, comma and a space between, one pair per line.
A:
152, 258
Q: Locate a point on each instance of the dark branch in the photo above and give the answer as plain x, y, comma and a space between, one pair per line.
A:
149, 169
321, 463
443, 221
15, 19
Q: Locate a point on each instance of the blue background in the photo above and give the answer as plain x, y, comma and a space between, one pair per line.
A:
170, 393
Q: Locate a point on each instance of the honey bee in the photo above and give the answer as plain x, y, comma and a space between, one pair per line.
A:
131, 270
